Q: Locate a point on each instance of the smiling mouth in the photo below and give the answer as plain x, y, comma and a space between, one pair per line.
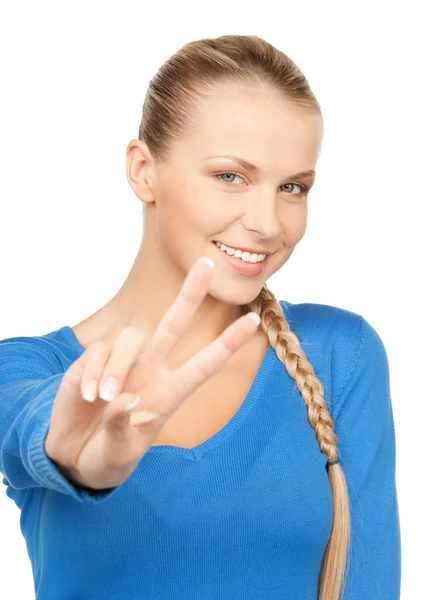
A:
218, 245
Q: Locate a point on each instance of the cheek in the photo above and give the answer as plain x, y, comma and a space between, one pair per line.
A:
295, 224
188, 197
183, 218
200, 206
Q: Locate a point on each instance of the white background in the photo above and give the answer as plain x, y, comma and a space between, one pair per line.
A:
74, 76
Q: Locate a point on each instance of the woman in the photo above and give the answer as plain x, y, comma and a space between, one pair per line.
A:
217, 466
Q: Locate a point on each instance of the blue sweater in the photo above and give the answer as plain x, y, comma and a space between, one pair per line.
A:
245, 515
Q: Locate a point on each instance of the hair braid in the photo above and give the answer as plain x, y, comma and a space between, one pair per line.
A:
289, 351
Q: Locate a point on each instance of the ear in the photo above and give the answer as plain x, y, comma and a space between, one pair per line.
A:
139, 170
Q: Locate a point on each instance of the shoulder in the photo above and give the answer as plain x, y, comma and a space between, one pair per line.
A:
323, 324
337, 341
44, 354
323, 315
332, 322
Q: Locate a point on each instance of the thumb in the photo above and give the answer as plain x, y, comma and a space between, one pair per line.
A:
117, 416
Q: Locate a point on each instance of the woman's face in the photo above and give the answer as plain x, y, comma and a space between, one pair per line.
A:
199, 197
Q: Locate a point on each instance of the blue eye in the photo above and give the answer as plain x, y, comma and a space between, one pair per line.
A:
229, 182
304, 188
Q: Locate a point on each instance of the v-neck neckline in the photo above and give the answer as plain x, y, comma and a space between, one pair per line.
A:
212, 443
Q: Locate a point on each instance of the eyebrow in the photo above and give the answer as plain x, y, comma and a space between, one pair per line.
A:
253, 168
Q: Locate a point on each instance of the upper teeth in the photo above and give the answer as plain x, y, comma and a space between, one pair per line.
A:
246, 256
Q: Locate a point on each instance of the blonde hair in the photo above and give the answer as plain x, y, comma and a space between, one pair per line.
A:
169, 108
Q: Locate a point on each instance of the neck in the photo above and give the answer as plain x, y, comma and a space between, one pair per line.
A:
150, 288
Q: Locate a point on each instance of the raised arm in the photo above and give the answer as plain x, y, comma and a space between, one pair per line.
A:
29, 381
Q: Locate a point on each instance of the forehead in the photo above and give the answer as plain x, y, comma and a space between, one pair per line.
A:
241, 121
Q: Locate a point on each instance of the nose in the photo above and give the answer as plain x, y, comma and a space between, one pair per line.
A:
263, 216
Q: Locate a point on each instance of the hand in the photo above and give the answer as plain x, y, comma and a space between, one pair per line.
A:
97, 444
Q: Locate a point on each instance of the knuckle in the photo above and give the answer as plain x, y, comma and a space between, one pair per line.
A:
128, 344
229, 344
228, 341
204, 367
74, 372
171, 328
131, 332
98, 355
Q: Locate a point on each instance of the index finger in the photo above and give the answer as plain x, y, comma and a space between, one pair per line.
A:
179, 315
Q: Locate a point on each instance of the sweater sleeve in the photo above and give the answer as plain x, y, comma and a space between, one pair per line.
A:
30, 377
367, 451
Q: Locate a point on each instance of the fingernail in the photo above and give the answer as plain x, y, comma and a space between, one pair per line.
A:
132, 406
90, 390
108, 389
255, 317
207, 260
